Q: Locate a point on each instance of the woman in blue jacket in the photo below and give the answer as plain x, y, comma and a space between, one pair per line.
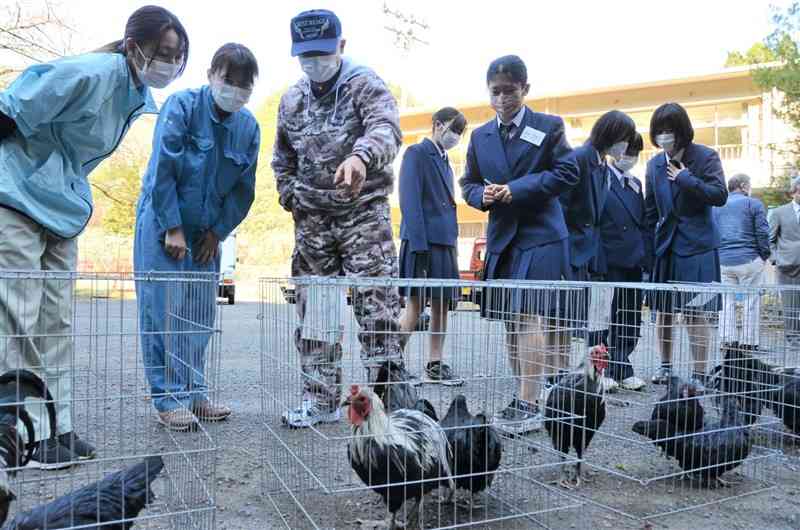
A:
517, 166
683, 184
58, 121
198, 187
429, 233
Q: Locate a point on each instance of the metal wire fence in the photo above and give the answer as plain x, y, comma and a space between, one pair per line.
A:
669, 397
83, 336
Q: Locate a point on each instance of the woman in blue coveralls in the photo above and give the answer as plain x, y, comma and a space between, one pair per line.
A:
199, 185
58, 121
683, 184
429, 233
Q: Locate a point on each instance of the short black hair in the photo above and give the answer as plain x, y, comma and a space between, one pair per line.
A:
446, 114
612, 127
672, 117
635, 146
510, 65
238, 57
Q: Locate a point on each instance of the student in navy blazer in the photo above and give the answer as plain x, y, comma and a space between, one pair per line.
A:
429, 233
516, 169
626, 248
684, 183
583, 204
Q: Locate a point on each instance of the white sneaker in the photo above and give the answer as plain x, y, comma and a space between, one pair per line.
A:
633, 383
609, 385
309, 414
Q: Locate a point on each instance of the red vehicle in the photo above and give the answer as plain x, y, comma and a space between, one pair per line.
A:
475, 271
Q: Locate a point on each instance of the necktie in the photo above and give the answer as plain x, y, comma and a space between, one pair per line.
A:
507, 132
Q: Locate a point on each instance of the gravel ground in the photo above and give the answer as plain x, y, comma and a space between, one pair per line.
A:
113, 390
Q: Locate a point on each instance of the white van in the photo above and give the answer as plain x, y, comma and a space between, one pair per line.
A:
227, 269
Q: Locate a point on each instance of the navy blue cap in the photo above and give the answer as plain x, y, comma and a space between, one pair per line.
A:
317, 30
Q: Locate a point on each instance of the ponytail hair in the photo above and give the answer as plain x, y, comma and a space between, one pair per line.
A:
149, 24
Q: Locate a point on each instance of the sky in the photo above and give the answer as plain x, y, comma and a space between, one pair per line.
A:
567, 44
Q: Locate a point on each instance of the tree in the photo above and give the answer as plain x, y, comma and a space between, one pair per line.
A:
758, 53
30, 32
779, 47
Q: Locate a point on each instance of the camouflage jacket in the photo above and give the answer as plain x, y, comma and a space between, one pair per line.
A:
357, 116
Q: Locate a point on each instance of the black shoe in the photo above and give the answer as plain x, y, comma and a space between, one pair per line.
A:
50, 454
82, 449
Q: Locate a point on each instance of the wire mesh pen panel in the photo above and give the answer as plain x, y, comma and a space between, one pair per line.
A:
695, 394
645, 400
81, 441
389, 434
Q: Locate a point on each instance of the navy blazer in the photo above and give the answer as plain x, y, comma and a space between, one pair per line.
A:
626, 243
426, 198
583, 205
535, 174
680, 213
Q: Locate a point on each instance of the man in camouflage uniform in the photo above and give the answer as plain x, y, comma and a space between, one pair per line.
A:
338, 133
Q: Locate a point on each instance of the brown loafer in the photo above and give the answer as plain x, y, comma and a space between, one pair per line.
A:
178, 420
208, 411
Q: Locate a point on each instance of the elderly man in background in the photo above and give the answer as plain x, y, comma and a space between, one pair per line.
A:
743, 252
784, 238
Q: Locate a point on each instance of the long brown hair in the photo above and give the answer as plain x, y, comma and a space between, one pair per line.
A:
148, 24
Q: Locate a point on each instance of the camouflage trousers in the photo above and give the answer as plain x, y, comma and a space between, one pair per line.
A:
357, 245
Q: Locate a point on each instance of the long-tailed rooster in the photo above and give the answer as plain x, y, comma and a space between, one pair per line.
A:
576, 409
401, 456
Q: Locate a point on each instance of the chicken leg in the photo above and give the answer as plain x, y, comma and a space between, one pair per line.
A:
566, 481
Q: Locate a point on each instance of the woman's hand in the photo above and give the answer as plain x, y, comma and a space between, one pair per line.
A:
502, 193
488, 195
175, 243
209, 247
672, 171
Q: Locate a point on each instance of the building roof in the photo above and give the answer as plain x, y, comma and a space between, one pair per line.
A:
729, 84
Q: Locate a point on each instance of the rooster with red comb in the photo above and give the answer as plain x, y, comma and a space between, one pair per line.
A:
576, 409
401, 455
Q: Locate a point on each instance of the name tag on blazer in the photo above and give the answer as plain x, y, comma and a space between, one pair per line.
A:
532, 136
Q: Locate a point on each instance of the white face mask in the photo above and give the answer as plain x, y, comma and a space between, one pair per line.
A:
666, 141
229, 98
320, 69
155, 74
617, 150
625, 163
449, 139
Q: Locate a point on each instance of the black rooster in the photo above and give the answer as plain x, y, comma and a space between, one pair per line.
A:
110, 504
394, 390
707, 454
576, 409
759, 385
679, 409
15, 387
401, 456
475, 447
786, 404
